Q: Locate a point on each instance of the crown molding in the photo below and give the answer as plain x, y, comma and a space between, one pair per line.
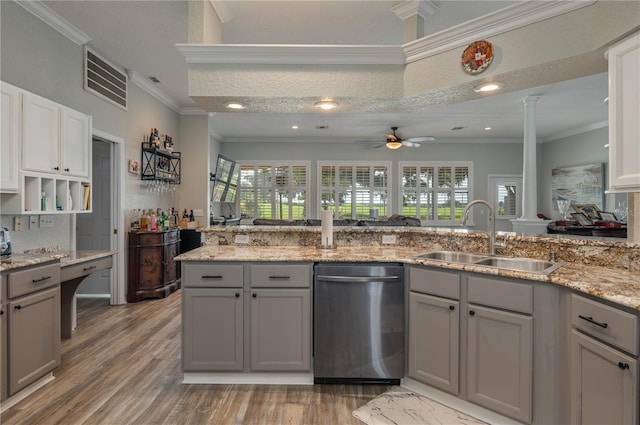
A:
409, 8
577, 131
221, 9
55, 21
152, 90
192, 110
501, 21
293, 54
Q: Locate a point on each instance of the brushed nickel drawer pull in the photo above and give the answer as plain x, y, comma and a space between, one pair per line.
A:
590, 320
89, 268
279, 277
42, 279
212, 277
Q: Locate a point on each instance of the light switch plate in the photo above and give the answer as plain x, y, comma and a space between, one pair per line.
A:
46, 221
33, 221
17, 224
198, 213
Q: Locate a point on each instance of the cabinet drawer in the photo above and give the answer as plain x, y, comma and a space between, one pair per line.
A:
148, 239
435, 282
606, 323
281, 275
501, 294
34, 279
209, 275
84, 269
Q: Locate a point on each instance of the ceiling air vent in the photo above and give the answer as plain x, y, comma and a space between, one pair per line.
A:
104, 80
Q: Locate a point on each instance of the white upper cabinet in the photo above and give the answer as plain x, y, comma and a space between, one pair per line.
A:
55, 139
9, 138
40, 134
624, 109
75, 146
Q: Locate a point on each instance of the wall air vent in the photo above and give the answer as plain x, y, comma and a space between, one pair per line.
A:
104, 80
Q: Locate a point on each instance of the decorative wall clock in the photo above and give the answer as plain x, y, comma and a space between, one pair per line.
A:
477, 57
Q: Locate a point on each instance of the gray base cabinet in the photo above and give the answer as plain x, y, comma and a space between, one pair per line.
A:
246, 317
212, 329
499, 361
3, 340
434, 341
280, 324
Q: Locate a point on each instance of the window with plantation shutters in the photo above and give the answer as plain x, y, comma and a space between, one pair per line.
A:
277, 190
354, 189
435, 192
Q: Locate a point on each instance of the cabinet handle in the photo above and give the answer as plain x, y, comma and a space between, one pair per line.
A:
254, 295
1, 312
42, 279
279, 277
451, 307
623, 366
56, 168
237, 295
590, 320
211, 277
18, 307
88, 268
472, 313
66, 169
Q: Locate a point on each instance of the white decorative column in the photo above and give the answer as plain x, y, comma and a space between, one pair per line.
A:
414, 14
529, 223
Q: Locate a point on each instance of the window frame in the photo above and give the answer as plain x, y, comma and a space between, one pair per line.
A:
274, 187
336, 188
435, 189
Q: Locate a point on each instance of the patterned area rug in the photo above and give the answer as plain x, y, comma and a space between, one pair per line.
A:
403, 407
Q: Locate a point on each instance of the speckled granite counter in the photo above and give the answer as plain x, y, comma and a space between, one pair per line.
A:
603, 267
67, 258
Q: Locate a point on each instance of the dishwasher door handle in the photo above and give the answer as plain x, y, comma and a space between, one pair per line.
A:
357, 279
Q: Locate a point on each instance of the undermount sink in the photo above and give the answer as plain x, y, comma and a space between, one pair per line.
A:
509, 263
452, 256
521, 264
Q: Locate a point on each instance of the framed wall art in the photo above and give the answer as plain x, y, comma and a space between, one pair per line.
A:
581, 184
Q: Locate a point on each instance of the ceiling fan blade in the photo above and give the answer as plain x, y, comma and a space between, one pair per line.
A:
420, 139
410, 144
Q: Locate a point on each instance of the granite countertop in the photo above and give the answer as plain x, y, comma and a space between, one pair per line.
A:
67, 258
616, 285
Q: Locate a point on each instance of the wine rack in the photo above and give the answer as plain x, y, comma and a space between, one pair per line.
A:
160, 165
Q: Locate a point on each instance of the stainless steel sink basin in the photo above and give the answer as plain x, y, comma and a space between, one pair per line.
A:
451, 256
521, 264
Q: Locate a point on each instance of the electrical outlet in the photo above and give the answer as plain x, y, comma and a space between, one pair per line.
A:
17, 224
242, 239
198, 213
46, 221
33, 221
388, 239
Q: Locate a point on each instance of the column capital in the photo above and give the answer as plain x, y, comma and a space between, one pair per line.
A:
531, 99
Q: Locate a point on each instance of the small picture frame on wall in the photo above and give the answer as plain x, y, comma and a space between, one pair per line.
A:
581, 219
134, 166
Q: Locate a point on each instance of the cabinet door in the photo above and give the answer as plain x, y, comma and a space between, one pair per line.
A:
75, 143
499, 361
170, 267
9, 138
604, 383
281, 330
624, 105
434, 341
34, 337
40, 134
212, 330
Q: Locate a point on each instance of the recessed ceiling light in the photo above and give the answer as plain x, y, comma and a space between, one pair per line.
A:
234, 105
326, 105
487, 87
487, 128
295, 127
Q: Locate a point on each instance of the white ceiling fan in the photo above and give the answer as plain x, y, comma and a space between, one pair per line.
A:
396, 142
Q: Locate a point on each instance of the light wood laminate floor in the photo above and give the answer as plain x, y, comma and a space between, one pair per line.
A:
122, 366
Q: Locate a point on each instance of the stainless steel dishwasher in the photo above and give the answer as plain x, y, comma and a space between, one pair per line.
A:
358, 323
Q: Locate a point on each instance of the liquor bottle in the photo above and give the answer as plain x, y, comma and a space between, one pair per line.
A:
144, 221
191, 217
153, 221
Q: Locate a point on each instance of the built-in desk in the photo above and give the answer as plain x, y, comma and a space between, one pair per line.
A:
73, 270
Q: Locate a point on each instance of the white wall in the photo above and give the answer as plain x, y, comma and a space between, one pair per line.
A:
194, 188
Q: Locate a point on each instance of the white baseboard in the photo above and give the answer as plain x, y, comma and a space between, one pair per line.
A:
248, 378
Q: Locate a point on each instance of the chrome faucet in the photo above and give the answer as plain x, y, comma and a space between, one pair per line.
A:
492, 219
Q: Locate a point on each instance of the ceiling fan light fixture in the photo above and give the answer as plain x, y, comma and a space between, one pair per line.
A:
233, 104
326, 105
393, 144
487, 87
